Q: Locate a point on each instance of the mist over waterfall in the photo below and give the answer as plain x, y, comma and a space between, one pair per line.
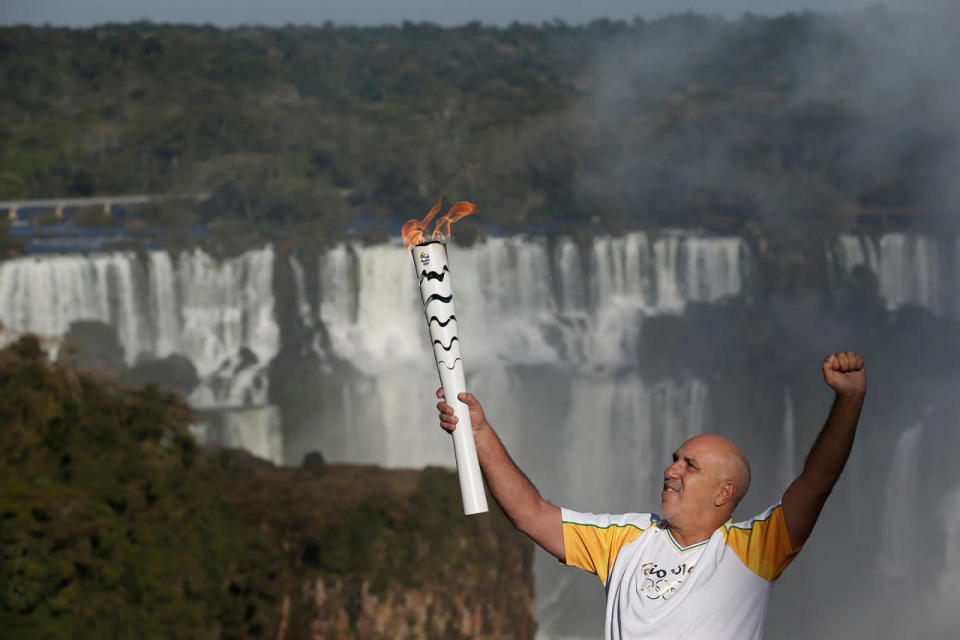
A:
903, 484
909, 269
950, 579
595, 359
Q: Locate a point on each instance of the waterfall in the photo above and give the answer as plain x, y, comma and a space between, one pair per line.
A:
523, 302
226, 305
950, 519
300, 286
215, 313
525, 307
254, 429
909, 271
165, 302
850, 251
897, 537
788, 454
44, 295
907, 267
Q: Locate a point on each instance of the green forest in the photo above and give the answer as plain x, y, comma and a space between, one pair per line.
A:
307, 133
115, 524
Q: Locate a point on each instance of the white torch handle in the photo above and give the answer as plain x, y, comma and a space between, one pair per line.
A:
464, 448
436, 288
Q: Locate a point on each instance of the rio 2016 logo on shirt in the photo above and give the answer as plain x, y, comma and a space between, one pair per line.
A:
424, 258
659, 584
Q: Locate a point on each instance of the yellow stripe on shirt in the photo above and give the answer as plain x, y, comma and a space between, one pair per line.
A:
763, 544
595, 548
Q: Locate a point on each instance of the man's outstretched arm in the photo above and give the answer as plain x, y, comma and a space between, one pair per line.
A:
512, 490
804, 499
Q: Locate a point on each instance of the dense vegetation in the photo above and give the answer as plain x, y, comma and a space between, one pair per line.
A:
302, 131
114, 524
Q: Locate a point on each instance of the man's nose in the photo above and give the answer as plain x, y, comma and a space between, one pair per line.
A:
673, 471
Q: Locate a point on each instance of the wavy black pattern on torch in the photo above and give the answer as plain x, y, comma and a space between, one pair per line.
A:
439, 323
437, 320
450, 368
433, 275
449, 346
437, 296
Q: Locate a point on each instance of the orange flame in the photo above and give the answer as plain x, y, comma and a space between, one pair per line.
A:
414, 230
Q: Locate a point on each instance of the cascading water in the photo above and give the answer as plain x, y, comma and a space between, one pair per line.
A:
788, 457
908, 268
254, 429
44, 295
527, 302
950, 580
303, 302
521, 304
897, 541
218, 314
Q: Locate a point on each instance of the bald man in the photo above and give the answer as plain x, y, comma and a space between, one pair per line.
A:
689, 571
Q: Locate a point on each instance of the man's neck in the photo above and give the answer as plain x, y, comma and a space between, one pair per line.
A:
694, 534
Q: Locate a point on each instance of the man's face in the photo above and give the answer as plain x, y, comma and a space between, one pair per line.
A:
690, 484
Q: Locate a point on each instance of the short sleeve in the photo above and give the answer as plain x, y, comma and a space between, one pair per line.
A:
762, 543
593, 541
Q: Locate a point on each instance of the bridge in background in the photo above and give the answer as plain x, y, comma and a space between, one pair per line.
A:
30, 222
15, 208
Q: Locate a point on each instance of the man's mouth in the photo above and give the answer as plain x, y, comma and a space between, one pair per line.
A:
669, 487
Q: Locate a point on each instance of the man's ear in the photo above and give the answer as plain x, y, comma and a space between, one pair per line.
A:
726, 494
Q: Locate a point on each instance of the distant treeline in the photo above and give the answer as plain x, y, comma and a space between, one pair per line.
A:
304, 131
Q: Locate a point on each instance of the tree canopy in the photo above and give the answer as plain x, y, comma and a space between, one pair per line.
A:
304, 132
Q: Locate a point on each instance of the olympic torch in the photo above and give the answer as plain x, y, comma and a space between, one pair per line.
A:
436, 289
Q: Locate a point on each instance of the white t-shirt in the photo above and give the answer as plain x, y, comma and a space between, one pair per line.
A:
715, 589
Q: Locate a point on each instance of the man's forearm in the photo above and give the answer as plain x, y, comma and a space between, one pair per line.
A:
829, 453
805, 497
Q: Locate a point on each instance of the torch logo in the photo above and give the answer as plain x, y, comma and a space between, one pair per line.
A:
424, 258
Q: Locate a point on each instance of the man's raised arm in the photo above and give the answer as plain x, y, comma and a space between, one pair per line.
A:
804, 499
512, 490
